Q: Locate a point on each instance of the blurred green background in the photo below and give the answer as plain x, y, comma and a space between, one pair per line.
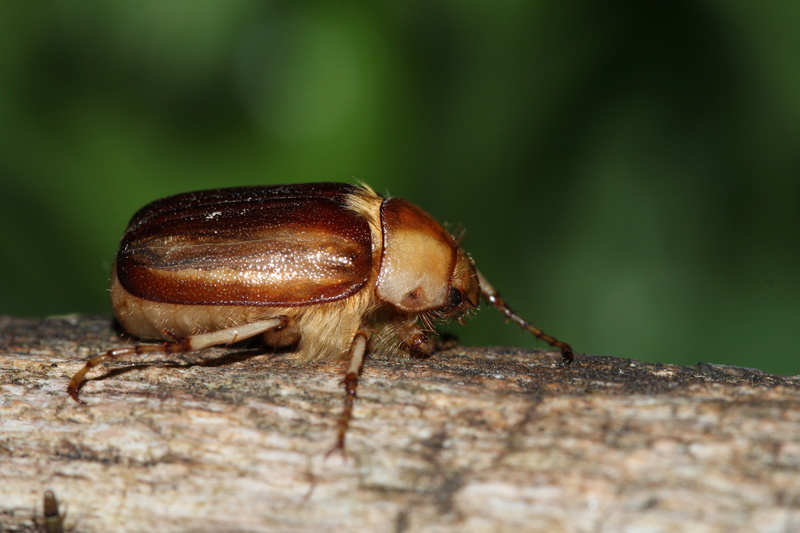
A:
627, 172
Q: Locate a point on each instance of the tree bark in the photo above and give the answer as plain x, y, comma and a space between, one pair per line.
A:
472, 439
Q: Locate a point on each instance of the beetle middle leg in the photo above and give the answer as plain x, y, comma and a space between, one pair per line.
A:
186, 344
358, 349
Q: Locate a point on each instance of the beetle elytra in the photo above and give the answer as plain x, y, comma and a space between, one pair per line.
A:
328, 269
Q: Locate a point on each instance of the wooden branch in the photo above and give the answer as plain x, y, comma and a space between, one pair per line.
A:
472, 439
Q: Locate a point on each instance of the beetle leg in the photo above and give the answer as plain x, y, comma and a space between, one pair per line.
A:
282, 336
186, 344
358, 349
491, 296
419, 344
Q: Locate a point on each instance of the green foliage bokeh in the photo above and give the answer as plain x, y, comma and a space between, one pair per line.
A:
626, 173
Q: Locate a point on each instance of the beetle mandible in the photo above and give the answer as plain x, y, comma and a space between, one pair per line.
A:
330, 269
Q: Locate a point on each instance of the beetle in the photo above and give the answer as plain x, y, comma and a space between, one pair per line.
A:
329, 270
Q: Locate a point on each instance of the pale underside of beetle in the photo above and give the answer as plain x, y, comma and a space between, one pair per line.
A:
328, 270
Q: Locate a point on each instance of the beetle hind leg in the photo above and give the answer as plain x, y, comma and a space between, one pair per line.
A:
177, 346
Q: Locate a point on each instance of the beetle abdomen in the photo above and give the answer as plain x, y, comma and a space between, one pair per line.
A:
324, 330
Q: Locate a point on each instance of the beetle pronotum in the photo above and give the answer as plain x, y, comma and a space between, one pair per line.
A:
330, 269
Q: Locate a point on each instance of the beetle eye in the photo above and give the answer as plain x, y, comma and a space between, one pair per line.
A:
454, 298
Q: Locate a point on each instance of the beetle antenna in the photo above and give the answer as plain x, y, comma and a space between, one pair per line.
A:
491, 296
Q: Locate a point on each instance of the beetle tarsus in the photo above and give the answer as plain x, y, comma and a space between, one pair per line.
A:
350, 382
79, 378
358, 349
75, 391
567, 355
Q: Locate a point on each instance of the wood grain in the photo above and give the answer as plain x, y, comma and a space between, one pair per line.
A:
472, 439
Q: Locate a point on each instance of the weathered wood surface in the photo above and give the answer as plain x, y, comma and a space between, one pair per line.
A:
473, 439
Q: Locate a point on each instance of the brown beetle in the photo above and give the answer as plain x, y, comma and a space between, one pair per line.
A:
329, 268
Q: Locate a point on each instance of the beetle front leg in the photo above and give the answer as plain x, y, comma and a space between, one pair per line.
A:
180, 345
419, 343
358, 349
